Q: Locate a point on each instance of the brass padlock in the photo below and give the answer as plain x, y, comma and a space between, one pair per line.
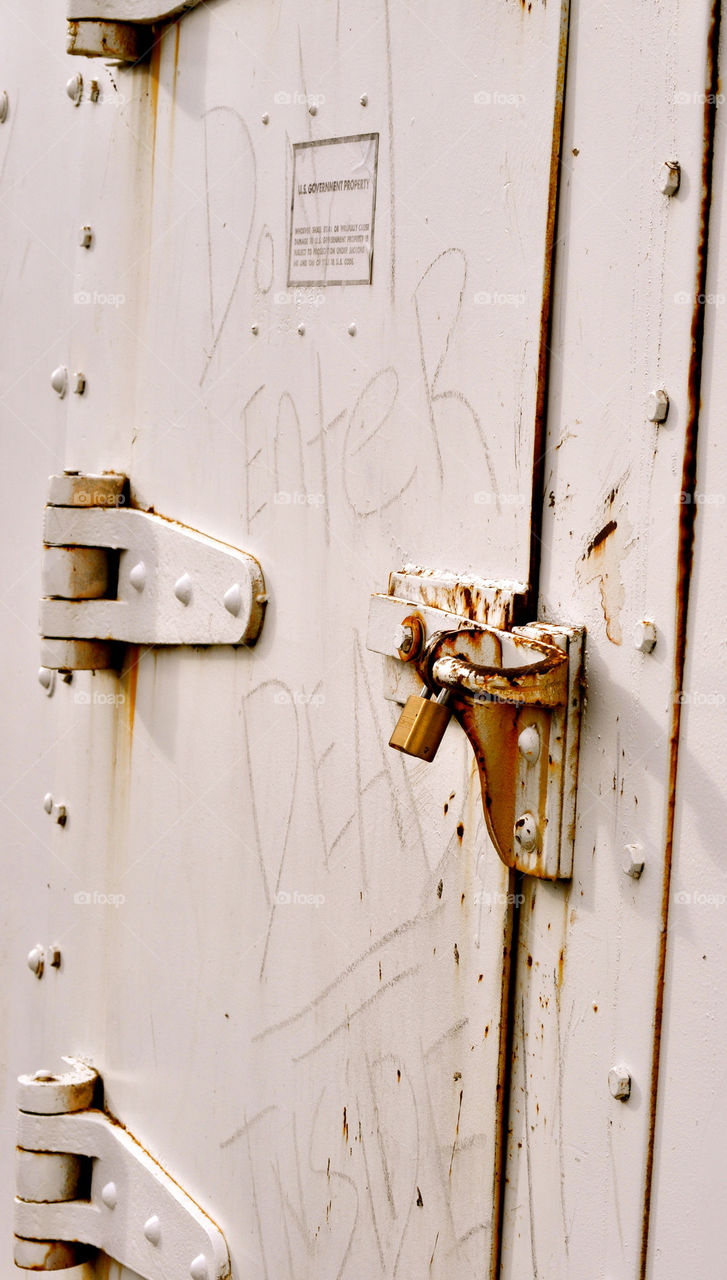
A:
422, 724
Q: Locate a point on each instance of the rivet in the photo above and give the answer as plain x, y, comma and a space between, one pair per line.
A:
645, 636
265, 118
313, 110
74, 88
657, 405
48, 802
529, 744
526, 832
633, 863
198, 1268
255, 329
85, 236
301, 329
94, 91
352, 329
364, 99
670, 178
36, 960
109, 1195
3, 107
59, 380
183, 589
79, 383
47, 680
619, 1082
233, 599
137, 576
44, 1075
153, 1230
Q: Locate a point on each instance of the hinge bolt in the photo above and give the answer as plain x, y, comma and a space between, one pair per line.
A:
633, 863
74, 89
619, 1082
644, 636
657, 406
670, 178
526, 832
529, 744
36, 961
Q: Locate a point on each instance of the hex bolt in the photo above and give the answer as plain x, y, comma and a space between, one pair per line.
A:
79, 383
403, 638
59, 380
670, 177
153, 1229
47, 680
109, 1195
529, 744
633, 863
526, 832
74, 89
657, 405
85, 237
3, 107
36, 960
619, 1082
645, 636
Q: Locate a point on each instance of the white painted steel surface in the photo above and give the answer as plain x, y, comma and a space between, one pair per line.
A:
281, 944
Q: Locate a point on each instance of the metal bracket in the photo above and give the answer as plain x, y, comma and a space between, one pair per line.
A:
83, 1183
121, 30
115, 574
517, 695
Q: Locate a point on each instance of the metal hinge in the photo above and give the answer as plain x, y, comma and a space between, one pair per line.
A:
83, 1184
120, 30
516, 692
113, 574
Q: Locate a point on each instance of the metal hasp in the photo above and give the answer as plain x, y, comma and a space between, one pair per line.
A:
113, 574
120, 30
83, 1183
517, 695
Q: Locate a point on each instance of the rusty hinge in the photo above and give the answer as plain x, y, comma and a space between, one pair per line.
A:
120, 30
113, 574
516, 692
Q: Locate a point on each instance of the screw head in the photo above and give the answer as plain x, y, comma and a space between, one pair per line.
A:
3, 107
633, 863
526, 832
657, 405
619, 1082
74, 89
59, 380
529, 744
644, 636
670, 177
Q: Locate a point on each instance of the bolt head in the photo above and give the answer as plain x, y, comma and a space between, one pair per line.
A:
265, 118
74, 89
47, 679
85, 236
529, 744
198, 1268
657, 405
633, 862
59, 380
3, 107
313, 110
670, 178
352, 328
619, 1082
526, 832
109, 1195
364, 99
79, 383
54, 956
36, 960
644, 636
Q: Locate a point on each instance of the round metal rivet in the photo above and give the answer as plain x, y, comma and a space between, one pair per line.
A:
47, 679
352, 329
364, 99
183, 589
85, 236
48, 802
529, 744
3, 107
526, 832
313, 110
137, 576
153, 1230
59, 380
74, 88
79, 383
109, 1195
265, 118
301, 329
233, 599
35, 961
198, 1268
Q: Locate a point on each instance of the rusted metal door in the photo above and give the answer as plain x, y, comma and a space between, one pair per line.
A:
295, 265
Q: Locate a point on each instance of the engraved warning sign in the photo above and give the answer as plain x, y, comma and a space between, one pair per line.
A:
332, 211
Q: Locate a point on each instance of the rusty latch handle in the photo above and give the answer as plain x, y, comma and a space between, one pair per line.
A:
540, 683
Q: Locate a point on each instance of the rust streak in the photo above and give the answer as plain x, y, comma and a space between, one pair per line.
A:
687, 516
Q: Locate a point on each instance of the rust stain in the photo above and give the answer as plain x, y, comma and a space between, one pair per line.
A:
345, 1126
601, 563
687, 517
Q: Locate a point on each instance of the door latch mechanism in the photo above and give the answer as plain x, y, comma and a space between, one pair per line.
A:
516, 692
83, 1184
114, 574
